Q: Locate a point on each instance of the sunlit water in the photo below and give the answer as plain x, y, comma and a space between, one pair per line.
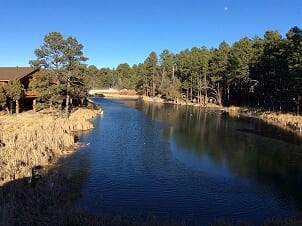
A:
188, 164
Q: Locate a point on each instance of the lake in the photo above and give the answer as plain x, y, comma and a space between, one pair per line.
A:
187, 163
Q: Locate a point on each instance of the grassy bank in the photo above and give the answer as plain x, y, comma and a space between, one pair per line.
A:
283, 120
29, 140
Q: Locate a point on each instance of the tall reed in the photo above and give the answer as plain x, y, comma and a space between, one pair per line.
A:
36, 139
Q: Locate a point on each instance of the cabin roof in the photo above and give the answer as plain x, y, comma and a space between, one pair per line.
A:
10, 73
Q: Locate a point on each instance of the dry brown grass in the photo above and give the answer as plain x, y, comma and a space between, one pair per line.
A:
152, 99
286, 120
233, 111
36, 139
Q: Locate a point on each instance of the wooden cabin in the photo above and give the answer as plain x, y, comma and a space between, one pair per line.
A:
24, 74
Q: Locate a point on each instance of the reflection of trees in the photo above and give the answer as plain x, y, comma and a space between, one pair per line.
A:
269, 161
151, 138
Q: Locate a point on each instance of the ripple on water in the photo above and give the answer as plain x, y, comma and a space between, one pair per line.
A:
139, 167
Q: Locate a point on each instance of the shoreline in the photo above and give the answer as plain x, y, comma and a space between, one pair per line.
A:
286, 121
21, 148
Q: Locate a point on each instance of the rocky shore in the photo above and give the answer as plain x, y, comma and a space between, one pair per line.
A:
28, 140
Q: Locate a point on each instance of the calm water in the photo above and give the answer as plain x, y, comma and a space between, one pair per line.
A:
189, 164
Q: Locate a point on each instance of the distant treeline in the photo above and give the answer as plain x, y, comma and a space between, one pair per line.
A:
263, 73
260, 72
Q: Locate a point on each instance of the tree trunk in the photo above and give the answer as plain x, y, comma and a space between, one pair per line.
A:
206, 91
11, 106
173, 72
67, 100
187, 92
153, 86
34, 105
199, 90
52, 111
219, 94
298, 105
17, 107
280, 96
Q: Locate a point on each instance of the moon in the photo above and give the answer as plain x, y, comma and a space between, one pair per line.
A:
226, 8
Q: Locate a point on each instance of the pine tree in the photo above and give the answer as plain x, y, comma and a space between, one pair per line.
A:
3, 96
61, 58
15, 91
150, 74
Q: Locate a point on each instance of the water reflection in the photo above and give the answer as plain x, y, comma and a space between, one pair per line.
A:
212, 142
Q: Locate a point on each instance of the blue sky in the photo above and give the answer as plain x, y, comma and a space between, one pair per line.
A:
117, 31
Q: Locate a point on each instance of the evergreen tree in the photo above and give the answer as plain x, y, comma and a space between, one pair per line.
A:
167, 71
166, 62
61, 57
15, 91
3, 96
150, 74
238, 76
218, 70
273, 71
49, 91
183, 72
255, 72
139, 74
294, 58
124, 73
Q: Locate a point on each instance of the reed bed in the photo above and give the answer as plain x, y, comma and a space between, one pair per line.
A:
28, 140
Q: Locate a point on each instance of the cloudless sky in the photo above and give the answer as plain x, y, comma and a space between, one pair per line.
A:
119, 31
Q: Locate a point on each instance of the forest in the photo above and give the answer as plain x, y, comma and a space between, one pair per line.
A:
262, 72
